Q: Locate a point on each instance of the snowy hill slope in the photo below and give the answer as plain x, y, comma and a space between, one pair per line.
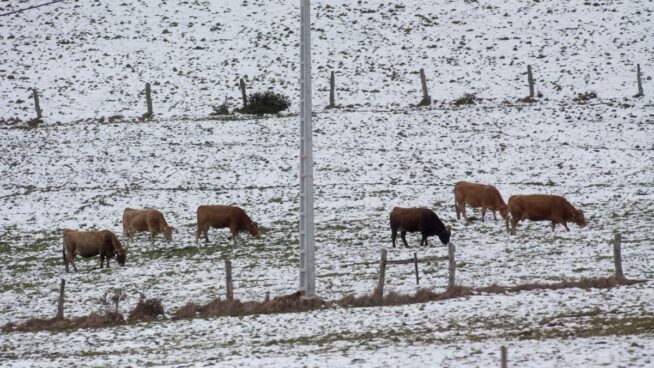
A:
92, 58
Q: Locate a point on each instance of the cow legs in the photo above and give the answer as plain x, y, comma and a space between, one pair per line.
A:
456, 208
483, 214
494, 217
69, 259
234, 231
463, 211
553, 226
514, 223
205, 230
153, 231
63, 252
72, 261
393, 236
423, 241
403, 235
565, 225
101, 261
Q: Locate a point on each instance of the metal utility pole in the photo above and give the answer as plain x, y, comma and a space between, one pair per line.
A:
307, 246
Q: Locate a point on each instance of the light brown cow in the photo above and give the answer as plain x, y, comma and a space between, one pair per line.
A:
92, 243
220, 216
543, 207
149, 220
478, 195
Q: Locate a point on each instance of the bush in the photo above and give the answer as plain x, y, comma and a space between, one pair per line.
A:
223, 109
583, 97
265, 103
466, 99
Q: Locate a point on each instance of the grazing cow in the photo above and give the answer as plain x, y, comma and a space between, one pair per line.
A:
423, 220
543, 207
149, 220
478, 195
92, 243
219, 216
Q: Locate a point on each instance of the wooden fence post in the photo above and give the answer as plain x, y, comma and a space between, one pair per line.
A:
148, 100
640, 84
617, 256
415, 262
530, 79
332, 86
452, 261
243, 95
60, 305
37, 105
503, 357
426, 99
228, 276
379, 291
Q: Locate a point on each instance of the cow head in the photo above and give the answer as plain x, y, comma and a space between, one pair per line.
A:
504, 212
121, 255
253, 228
578, 218
168, 232
445, 236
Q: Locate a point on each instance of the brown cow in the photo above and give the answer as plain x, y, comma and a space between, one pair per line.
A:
219, 216
478, 195
543, 207
92, 243
149, 220
423, 220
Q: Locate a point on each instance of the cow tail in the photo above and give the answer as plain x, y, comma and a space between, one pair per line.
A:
63, 252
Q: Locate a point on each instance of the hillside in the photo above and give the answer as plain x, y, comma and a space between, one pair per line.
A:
79, 169
92, 58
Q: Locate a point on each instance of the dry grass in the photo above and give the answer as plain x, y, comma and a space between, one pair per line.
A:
284, 304
292, 303
146, 310
93, 320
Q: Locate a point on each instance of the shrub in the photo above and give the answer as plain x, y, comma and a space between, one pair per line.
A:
265, 103
146, 309
466, 99
222, 109
583, 97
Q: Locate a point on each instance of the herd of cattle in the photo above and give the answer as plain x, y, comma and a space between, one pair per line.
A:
534, 207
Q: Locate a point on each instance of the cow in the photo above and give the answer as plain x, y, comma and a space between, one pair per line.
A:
478, 195
92, 243
423, 220
149, 220
221, 216
543, 207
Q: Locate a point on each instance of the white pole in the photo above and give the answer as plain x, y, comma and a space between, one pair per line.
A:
307, 256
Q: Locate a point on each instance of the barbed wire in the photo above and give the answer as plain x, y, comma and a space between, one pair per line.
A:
31, 7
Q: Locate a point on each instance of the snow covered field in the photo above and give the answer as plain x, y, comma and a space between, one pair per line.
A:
368, 159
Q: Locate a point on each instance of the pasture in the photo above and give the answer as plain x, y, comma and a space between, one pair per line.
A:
91, 158
366, 162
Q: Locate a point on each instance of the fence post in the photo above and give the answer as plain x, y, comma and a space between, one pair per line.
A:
415, 262
503, 357
426, 99
243, 95
617, 256
37, 105
60, 305
148, 100
228, 277
530, 79
452, 264
640, 84
332, 83
379, 291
